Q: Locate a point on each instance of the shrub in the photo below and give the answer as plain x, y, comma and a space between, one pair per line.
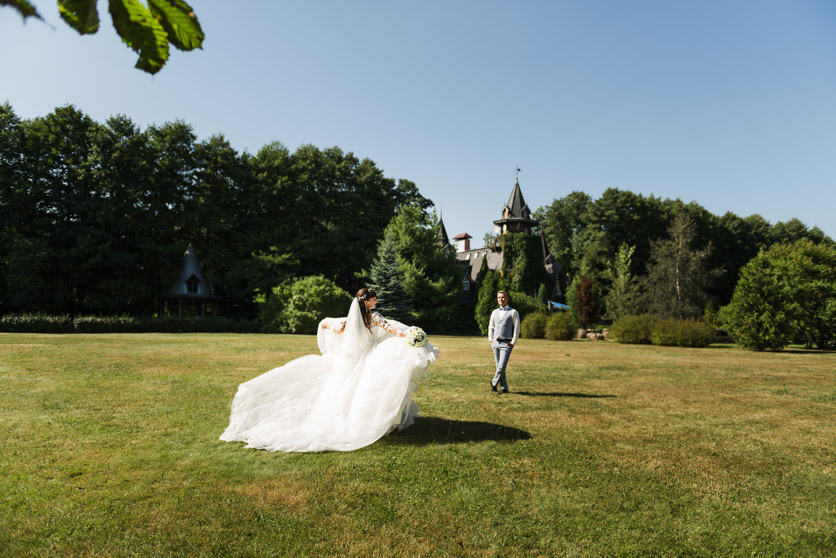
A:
560, 327
533, 326
105, 324
523, 303
123, 324
297, 307
586, 302
36, 323
682, 333
634, 329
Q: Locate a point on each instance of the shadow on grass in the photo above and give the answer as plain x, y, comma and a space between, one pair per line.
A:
436, 430
560, 394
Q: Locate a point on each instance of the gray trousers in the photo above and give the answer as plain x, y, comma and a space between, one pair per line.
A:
501, 354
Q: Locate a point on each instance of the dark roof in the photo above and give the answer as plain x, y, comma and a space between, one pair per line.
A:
516, 208
191, 272
461, 236
441, 233
473, 260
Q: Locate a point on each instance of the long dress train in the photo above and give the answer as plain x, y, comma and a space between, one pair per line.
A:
359, 389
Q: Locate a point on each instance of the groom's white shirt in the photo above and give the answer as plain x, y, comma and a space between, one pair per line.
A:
495, 317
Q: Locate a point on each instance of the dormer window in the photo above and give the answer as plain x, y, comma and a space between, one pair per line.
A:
192, 283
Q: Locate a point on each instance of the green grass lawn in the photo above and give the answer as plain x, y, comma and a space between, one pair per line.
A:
111, 448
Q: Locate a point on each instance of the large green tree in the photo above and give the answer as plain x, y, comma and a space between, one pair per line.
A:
760, 313
562, 222
148, 28
787, 292
432, 277
678, 276
735, 241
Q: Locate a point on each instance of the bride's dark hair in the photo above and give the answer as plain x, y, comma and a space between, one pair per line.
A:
362, 296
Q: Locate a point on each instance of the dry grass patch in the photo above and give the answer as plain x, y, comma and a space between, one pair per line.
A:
600, 449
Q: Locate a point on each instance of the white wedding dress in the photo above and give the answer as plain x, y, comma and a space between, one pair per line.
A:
359, 389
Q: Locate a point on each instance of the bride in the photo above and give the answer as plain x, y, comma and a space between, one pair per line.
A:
359, 389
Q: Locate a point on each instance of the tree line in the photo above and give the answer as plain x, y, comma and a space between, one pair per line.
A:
660, 255
95, 217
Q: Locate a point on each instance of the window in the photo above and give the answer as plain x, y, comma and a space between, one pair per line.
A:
192, 284
466, 285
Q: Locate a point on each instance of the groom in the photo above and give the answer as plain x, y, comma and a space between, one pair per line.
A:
503, 332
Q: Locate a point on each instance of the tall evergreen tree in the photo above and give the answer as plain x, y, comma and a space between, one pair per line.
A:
678, 276
432, 278
623, 298
486, 301
387, 280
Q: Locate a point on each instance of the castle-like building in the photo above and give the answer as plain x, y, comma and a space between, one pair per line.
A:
516, 218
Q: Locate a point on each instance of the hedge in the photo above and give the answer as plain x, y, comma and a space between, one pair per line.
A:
38, 323
647, 329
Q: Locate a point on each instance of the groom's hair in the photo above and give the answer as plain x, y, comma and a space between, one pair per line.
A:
506, 294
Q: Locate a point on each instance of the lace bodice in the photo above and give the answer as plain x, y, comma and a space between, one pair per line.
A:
380, 329
379, 321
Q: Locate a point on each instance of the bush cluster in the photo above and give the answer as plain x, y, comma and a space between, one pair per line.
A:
650, 329
635, 330
557, 327
38, 323
533, 326
561, 327
298, 306
682, 333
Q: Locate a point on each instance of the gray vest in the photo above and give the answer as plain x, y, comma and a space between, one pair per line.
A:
504, 325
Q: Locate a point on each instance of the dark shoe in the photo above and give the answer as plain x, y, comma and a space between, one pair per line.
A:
504, 391
493, 386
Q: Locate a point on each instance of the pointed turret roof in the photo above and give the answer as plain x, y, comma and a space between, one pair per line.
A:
441, 233
191, 283
516, 213
516, 204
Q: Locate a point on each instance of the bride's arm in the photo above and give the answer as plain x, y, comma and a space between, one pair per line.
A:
381, 322
324, 325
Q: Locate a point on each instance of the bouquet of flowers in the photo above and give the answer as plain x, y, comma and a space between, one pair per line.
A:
416, 337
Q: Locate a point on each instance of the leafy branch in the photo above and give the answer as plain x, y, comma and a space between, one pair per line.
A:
148, 28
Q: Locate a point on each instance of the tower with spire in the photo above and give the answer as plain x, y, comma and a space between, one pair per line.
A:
516, 218
516, 215
441, 233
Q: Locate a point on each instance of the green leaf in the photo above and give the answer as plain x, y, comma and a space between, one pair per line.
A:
180, 22
81, 15
23, 7
141, 31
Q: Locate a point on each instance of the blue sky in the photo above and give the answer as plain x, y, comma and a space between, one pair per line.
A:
731, 104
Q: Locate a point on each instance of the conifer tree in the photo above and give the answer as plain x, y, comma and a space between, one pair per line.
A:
387, 280
623, 298
678, 276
